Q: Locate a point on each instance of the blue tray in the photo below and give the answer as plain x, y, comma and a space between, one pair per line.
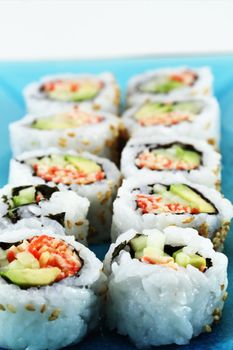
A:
14, 76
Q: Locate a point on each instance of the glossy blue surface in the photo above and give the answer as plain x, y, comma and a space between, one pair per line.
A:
14, 76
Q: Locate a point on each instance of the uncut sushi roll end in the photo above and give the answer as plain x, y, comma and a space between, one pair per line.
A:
50, 290
164, 287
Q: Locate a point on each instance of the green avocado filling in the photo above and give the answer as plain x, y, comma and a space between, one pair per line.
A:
151, 249
72, 119
192, 198
71, 91
160, 85
161, 109
192, 158
82, 164
53, 122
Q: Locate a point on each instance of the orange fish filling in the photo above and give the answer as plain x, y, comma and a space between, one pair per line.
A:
69, 85
187, 77
50, 252
67, 174
154, 161
154, 204
166, 119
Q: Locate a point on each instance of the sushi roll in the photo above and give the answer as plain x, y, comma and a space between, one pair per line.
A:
50, 205
50, 290
195, 159
155, 201
192, 117
97, 92
164, 287
170, 82
89, 176
73, 128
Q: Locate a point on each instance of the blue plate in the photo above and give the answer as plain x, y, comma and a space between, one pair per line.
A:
14, 76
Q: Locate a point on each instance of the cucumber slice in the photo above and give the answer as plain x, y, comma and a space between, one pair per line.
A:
139, 243
25, 196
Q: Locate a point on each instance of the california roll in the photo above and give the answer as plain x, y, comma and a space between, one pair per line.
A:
90, 176
164, 287
97, 92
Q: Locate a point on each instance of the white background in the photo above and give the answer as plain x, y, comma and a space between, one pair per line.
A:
79, 29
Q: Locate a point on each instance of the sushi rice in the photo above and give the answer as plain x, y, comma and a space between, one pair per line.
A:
156, 303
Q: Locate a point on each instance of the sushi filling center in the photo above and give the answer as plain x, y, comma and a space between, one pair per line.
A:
75, 118
174, 157
152, 250
175, 199
67, 169
163, 84
41, 260
167, 113
72, 90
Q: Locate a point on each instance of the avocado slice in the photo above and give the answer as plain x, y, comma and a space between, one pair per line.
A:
31, 277
50, 123
160, 85
151, 109
194, 107
86, 91
88, 166
25, 196
194, 199
187, 156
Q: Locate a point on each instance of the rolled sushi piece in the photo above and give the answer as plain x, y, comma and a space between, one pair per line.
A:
155, 201
73, 128
192, 117
97, 92
50, 205
48, 283
194, 159
170, 82
86, 174
164, 287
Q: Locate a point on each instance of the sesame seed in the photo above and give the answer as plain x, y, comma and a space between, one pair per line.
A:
30, 307
54, 315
